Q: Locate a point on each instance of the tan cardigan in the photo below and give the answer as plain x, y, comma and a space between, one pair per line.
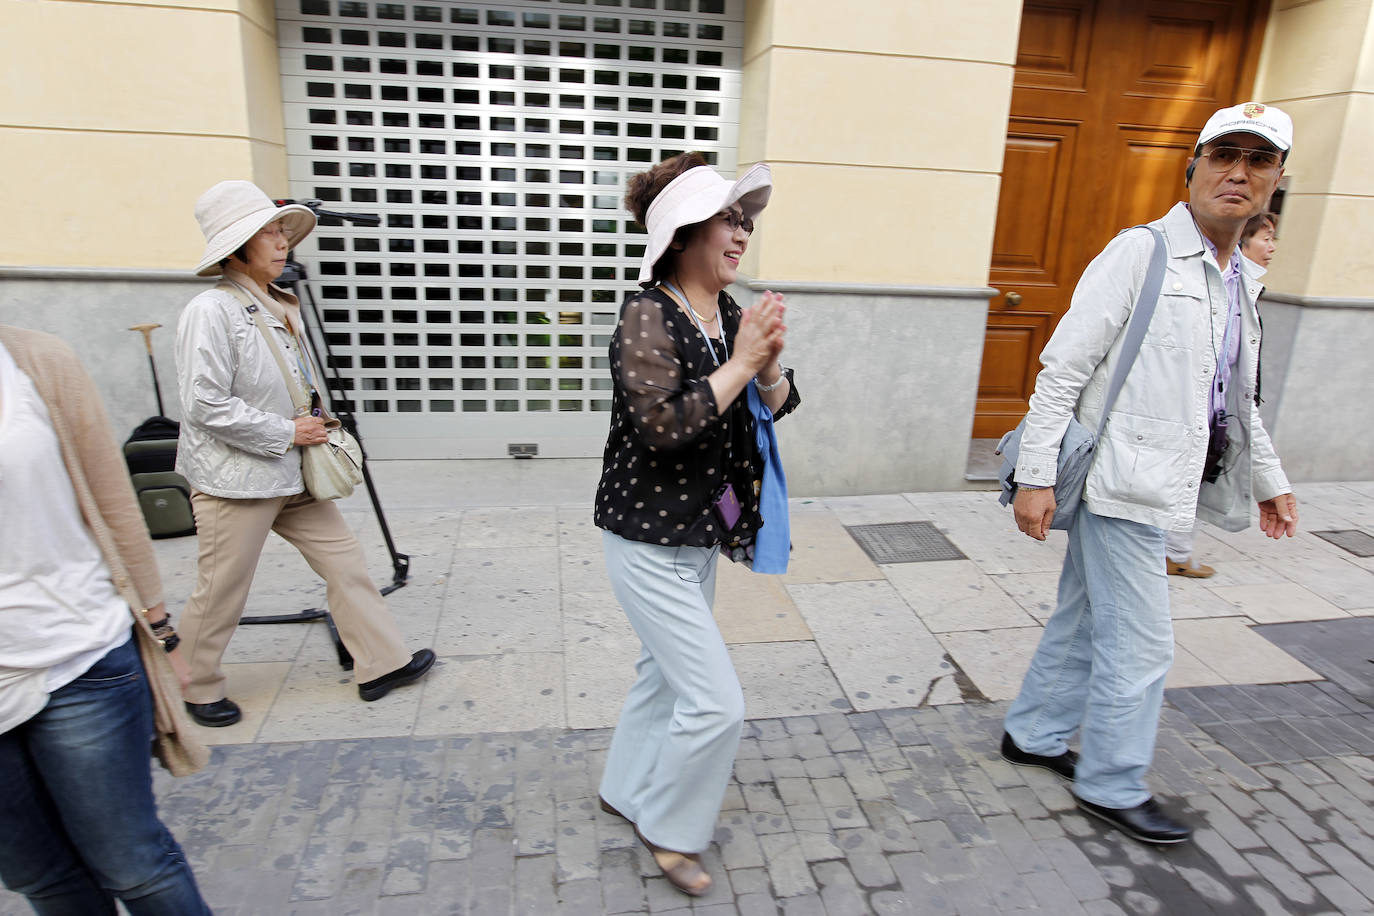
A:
111, 512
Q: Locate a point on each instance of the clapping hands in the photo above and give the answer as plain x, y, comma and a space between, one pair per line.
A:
762, 332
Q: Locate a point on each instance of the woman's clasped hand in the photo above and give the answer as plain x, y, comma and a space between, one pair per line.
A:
310, 431
761, 332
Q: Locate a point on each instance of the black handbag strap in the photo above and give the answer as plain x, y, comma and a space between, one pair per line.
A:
1141, 314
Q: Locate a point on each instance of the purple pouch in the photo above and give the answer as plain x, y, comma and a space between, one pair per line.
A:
726, 506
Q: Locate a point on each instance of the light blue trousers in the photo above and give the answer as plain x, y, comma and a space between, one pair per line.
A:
1101, 663
674, 747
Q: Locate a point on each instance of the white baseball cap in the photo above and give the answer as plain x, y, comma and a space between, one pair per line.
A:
1264, 121
696, 195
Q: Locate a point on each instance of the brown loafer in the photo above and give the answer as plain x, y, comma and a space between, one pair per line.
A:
686, 875
1189, 570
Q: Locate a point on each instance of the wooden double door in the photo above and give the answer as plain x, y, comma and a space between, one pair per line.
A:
1107, 102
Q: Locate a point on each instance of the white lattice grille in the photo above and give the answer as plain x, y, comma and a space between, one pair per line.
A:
494, 140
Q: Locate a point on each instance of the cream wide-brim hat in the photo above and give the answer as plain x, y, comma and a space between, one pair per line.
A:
697, 195
232, 212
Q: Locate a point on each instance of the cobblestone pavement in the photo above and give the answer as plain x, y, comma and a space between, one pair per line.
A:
898, 811
869, 780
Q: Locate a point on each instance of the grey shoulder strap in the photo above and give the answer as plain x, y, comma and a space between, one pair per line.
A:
299, 397
1141, 314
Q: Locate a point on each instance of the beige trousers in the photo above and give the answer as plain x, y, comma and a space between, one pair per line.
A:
231, 533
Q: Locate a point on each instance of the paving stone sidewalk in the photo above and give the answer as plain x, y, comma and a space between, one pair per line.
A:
870, 781
897, 811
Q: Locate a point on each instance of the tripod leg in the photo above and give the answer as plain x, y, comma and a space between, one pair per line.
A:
345, 657
400, 562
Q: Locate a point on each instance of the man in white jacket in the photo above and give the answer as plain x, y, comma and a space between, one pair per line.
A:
1184, 436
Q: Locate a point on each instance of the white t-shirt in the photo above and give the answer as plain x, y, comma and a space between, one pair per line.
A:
59, 611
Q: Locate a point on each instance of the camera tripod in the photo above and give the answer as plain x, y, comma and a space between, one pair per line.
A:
295, 279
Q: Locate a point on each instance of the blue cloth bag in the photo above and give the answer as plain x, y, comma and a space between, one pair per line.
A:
773, 544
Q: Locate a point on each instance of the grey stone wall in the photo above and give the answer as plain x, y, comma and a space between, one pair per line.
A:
91, 310
888, 375
1316, 385
888, 378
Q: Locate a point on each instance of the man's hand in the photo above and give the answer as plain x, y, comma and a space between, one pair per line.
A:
1034, 511
1279, 516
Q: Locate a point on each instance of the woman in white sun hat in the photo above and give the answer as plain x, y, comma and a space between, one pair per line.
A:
695, 379
240, 449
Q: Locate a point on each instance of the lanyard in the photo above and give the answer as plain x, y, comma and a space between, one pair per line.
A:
729, 436
301, 360
700, 327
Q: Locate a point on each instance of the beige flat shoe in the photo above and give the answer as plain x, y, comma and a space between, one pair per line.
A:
686, 874
1189, 570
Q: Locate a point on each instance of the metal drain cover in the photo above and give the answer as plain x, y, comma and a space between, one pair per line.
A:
904, 542
1360, 543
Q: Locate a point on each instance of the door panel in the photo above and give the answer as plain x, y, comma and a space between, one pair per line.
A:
1014, 340
1152, 164
1187, 53
1107, 100
1035, 168
1053, 48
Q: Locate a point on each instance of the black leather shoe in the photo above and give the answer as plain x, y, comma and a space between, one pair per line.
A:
1146, 822
419, 666
1062, 765
217, 714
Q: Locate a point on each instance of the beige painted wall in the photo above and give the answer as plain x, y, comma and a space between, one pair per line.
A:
1318, 65
129, 110
883, 122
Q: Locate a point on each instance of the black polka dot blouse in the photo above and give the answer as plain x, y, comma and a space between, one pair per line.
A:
668, 452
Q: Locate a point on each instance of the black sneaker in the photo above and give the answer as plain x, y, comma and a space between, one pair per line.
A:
419, 666
1146, 822
217, 714
1063, 765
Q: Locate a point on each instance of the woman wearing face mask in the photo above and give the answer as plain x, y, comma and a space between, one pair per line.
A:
240, 449
679, 483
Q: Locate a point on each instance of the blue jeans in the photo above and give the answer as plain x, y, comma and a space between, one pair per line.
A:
1101, 662
78, 824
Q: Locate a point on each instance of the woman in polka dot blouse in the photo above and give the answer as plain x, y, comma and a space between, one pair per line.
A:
679, 483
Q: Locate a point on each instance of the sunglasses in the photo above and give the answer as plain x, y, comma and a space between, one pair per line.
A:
1259, 161
735, 221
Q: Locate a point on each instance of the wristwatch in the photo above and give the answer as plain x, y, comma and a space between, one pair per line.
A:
164, 634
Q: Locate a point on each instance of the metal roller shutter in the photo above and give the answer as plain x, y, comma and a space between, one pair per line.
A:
494, 140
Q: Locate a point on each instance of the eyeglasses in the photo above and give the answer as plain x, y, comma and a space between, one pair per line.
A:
1259, 161
737, 220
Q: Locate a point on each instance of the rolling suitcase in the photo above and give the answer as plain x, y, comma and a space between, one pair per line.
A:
151, 454
163, 494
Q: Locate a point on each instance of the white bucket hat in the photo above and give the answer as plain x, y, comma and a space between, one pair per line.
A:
232, 212
696, 195
1264, 121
